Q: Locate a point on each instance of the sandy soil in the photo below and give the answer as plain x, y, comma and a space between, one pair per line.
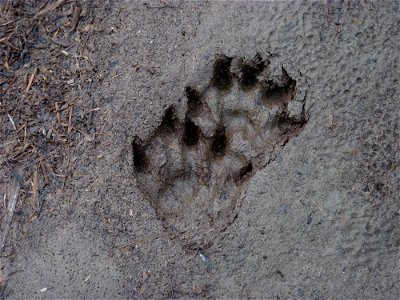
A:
190, 149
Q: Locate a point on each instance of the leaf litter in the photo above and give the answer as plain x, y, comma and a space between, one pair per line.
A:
45, 69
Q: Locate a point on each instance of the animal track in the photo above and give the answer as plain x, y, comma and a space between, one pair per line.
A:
193, 169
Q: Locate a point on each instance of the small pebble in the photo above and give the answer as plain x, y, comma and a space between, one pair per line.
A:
300, 292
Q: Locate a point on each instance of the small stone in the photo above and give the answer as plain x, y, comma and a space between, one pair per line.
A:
295, 109
301, 292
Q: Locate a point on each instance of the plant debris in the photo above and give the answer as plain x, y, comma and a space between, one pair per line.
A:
45, 67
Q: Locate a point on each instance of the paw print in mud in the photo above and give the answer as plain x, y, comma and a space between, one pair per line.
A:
193, 169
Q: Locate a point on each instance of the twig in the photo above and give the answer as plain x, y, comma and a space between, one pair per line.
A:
42, 193
90, 119
70, 118
49, 8
10, 209
46, 178
34, 162
17, 176
75, 17
9, 117
60, 42
58, 112
4, 200
67, 168
7, 23
28, 87
12, 121
205, 259
327, 8
35, 187
4, 206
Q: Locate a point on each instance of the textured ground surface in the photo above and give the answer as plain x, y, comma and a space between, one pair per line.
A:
316, 216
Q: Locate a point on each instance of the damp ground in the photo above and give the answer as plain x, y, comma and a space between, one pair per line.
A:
179, 149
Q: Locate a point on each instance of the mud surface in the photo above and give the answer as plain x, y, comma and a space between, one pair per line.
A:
193, 170
233, 150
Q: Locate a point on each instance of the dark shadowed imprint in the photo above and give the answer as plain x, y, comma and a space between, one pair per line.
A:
193, 169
